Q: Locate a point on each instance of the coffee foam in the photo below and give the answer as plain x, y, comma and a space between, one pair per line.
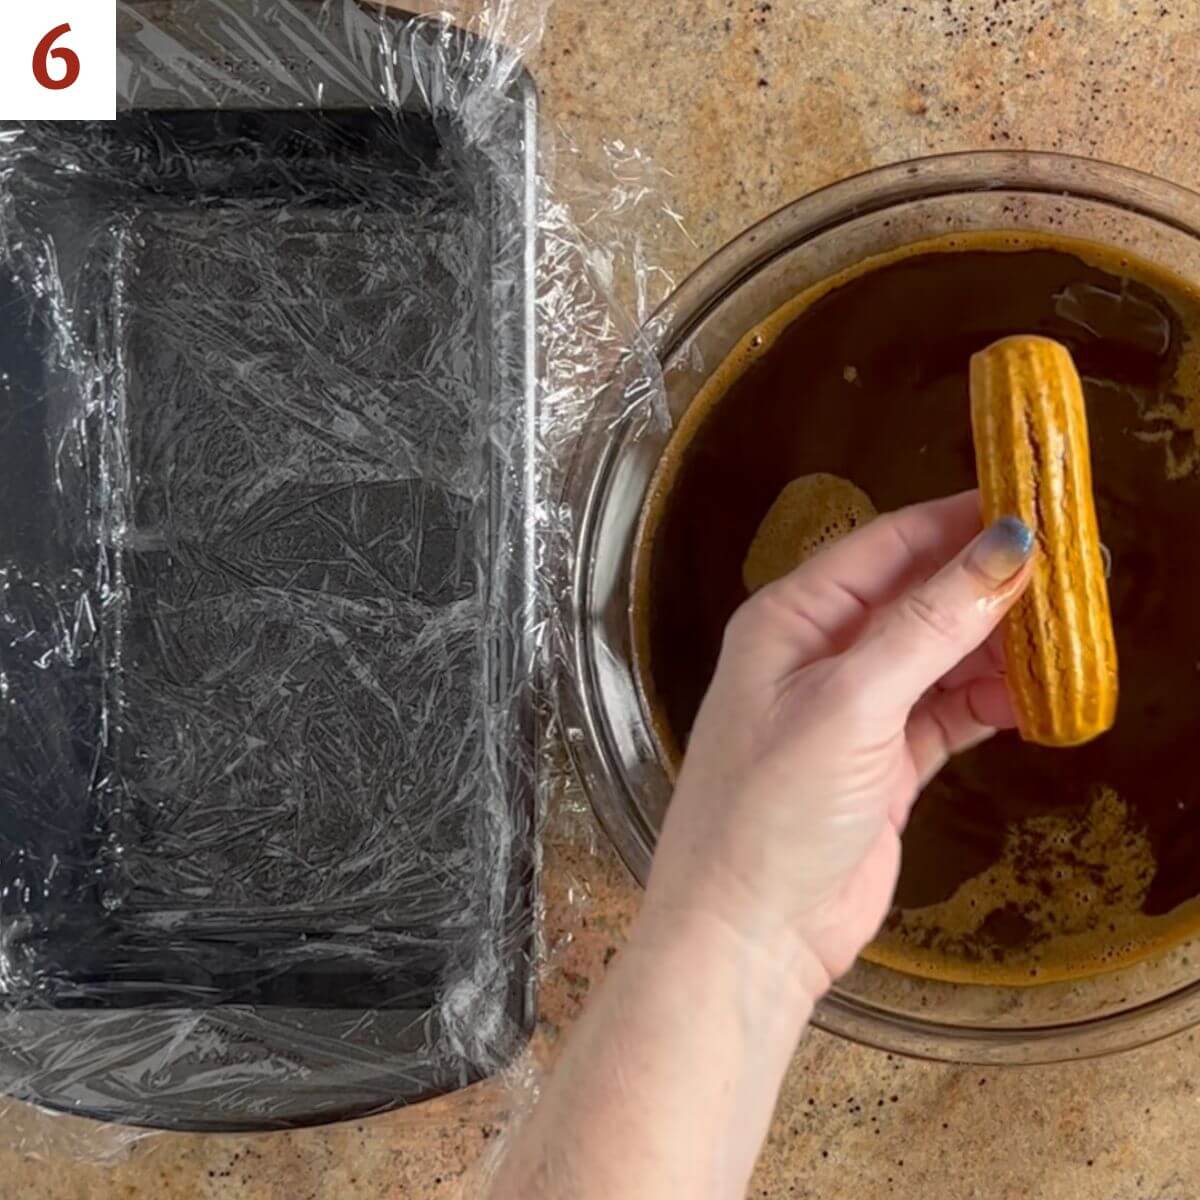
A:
812, 512
1062, 902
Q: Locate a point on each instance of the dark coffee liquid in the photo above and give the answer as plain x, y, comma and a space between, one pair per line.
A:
1020, 862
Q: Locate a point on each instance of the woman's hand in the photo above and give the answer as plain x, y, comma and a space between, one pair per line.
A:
840, 690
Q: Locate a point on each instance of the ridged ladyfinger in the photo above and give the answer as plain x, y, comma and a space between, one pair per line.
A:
1033, 461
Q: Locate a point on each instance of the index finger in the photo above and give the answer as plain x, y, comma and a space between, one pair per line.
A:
819, 608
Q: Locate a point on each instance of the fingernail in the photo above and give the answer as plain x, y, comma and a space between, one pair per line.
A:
1002, 549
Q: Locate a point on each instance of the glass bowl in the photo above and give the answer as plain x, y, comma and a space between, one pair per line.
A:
609, 734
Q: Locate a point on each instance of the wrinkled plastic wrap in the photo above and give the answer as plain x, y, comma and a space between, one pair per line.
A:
295, 357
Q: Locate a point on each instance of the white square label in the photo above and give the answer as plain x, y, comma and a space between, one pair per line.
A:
58, 60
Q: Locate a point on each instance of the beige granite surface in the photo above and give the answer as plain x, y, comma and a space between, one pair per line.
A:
750, 103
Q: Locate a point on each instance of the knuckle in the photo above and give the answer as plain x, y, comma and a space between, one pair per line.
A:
845, 691
744, 625
922, 610
766, 610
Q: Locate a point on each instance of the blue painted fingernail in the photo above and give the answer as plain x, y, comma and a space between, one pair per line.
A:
1002, 549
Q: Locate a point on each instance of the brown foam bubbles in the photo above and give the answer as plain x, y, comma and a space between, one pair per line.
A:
812, 512
1064, 901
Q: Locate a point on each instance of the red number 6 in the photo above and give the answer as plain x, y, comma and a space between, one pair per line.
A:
68, 57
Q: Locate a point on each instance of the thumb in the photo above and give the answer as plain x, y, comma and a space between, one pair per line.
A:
933, 627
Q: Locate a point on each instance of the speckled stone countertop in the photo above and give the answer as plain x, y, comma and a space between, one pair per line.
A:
751, 103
